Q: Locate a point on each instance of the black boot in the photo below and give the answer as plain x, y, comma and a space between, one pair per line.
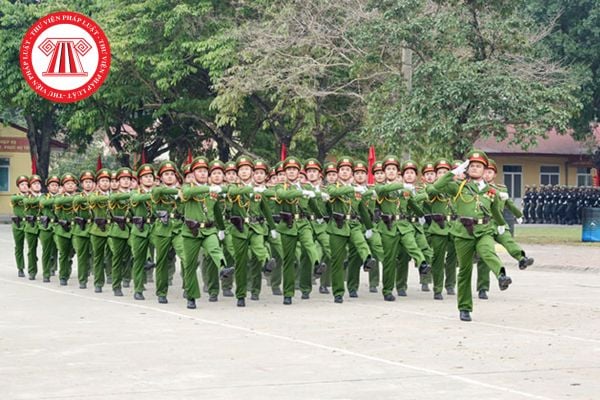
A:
323, 290
525, 262
373, 289
424, 268
389, 297
118, 292
31, 277
125, 284
191, 304
353, 293
287, 301
483, 294
425, 287
21, 274
402, 292
241, 302
98, 289
276, 291
269, 265
465, 316
226, 272
450, 291
213, 298
438, 296
320, 268
338, 299
305, 296
138, 296
163, 299
148, 265
227, 293
369, 264
82, 285
46, 280
504, 281
63, 282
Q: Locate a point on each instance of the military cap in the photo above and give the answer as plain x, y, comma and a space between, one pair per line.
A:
360, 165
378, 166
35, 178
428, 166
167, 165
244, 160
216, 164
53, 178
22, 178
478, 156
312, 163
113, 175
124, 172
292, 162
102, 173
87, 174
145, 169
456, 163
345, 162
443, 163
492, 165
199, 162
279, 167
230, 166
186, 169
410, 164
68, 177
391, 160
330, 167
261, 164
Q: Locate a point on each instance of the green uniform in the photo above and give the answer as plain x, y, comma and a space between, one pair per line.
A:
250, 211
31, 229
63, 209
118, 235
203, 216
81, 236
99, 235
46, 226
319, 227
347, 210
475, 206
140, 207
18, 224
396, 231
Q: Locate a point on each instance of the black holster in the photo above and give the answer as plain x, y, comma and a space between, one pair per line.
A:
193, 226
138, 222
238, 222
101, 223
45, 221
16, 221
80, 221
120, 221
468, 223
163, 216
439, 219
388, 220
64, 224
288, 218
30, 219
339, 219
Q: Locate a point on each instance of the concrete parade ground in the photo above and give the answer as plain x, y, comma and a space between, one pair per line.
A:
538, 340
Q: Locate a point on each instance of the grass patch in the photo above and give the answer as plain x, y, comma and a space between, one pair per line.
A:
570, 235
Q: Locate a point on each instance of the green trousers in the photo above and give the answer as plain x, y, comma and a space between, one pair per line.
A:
82, 247
451, 264
309, 257
275, 248
355, 263
99, 246
254, 245
214, 260
48, 252
120, 257
465, 249
229, 253
19, 238
164, 245
483, 271
32, 241
65, 256
394, 247
338, 245
406, 252
139, 253
322, 240
440, 269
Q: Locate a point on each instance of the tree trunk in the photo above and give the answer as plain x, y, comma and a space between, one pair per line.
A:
39, 133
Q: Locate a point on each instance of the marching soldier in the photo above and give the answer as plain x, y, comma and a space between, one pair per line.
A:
18, 221
203, 228
476, 204
345, 203
64, 211
32, 213
81, 227
99, 229
46, 225
118, 233
331, 173
249, 212
141, 225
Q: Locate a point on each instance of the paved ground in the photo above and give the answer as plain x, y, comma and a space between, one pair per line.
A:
538, 340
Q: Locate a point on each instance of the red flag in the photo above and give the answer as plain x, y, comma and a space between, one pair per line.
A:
283, 151
189, 157
143, 156
33, 165
371, 160
99, 163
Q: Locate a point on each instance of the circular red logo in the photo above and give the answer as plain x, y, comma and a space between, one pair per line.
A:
65, 57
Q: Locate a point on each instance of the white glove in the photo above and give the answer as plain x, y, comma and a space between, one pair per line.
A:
308, 193
320, 221
503, 195
221, 235
215, 189
422, 220
325, 196
501, 229
273, 233
360, 189
461, 168
369, 233
260, 189
520, 220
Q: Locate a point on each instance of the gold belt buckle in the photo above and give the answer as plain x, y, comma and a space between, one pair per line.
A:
172, 215
202, 225
148, 220
348, 217
296, 216
247, 220
480, 221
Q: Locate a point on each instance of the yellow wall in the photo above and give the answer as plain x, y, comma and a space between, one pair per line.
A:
531, 168
20, 163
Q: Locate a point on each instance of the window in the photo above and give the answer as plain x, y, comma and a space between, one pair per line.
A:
513, 176
584, 176
4, 178
549, 174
